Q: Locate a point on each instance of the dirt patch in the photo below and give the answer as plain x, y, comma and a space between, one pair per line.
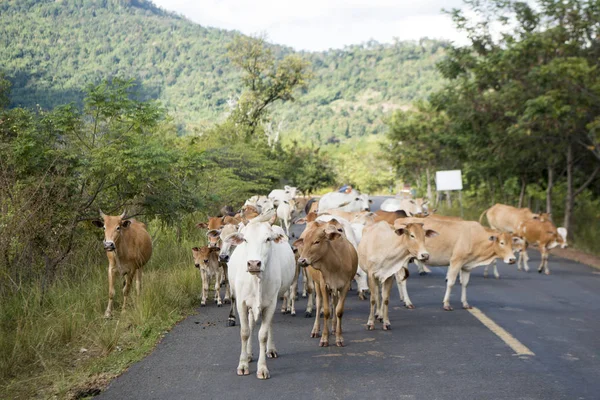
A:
577, 255
93, 387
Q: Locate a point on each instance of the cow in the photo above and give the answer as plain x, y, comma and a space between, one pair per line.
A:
262, 203
261, 269
389, 216
217, 222
128, 248
312, 205
545, 236
206, 259
384, 251
284, 214
280, 195
333, 263
308, 289
507, 218
462, 246
517, 247
411, 207
350, 202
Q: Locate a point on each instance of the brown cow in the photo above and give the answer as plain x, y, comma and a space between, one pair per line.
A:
507, 218
218, 222
389, 217
333, 262
464, 245
385, 251
128, 248
206, 259
545, 236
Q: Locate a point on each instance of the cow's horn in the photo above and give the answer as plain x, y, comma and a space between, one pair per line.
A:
102, 215
124, 214
264, 217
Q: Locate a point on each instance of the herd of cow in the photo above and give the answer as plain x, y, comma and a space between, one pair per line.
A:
343, 240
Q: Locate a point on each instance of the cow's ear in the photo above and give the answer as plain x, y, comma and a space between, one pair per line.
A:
126, 223
431, 233
98, 223
400, 229
202, 225
195, 249
413, 202
333, 234
298, 243
493, 238
517, 240
235, 239
213, 233
425, 202
213, 249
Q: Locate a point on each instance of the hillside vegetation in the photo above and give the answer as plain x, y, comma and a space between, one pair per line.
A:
51, 50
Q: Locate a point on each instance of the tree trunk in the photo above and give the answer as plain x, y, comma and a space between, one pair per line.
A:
429, 188
448, 199
569, 198
522, 195
549, 189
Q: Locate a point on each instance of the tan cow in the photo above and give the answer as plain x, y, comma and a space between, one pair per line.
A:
206, 259
507, 218
545, 236
383, 252
218, 222
389, 217
128, 248
464, 245
333, 262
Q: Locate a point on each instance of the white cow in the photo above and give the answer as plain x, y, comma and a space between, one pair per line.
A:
280, 195
350, 202
262, 203
261, 269
410, 206
284, 214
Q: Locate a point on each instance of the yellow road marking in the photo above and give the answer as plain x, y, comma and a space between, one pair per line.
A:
519, 348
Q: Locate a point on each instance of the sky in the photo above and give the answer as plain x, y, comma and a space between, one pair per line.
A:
317, 25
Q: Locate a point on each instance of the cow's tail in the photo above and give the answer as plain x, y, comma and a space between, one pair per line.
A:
482, 214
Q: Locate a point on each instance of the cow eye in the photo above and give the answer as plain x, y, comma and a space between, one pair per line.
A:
501, 243
317, 242
268, 239
412, 236
118, 228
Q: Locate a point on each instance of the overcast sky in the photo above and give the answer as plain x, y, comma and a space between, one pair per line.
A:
324, 24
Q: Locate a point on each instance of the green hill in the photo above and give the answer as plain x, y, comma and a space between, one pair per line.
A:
51, 50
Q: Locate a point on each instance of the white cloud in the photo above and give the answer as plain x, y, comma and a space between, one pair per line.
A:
323, 24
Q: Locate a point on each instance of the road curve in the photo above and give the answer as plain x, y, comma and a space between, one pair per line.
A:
428, 354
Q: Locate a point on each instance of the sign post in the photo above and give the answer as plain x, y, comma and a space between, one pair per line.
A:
446, 181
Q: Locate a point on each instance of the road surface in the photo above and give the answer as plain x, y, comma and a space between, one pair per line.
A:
428, 354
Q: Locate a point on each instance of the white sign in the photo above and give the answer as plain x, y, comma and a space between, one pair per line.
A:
448, 180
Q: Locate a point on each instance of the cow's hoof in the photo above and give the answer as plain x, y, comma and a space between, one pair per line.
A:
380, 319
387, 327
497, 277
370, 327
308, 314
219, 304
324, 343
304, 295
231, 322
467, 306
339, 343
315, 334
548, 273
448, 308
272, 354
243, 369
539, 271
422, 273
410, 306
202, 304
361, 296
263, 373
293, 313
227, 301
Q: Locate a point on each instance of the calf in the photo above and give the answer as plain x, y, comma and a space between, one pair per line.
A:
206, 259
545, 236
128, 248
333, 262
284, 214
464, 245
383, 252
261, 269
507, 219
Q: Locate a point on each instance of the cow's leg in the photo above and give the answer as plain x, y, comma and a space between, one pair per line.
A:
284, 302
422, 268
262, 372
485, 271
334, 302
374, 287
361, 283
294, 289
496, 274
326, 315
204, 276
451, 280
465, 275
244, 367
271, 349
403, 285
231, 318
126, 289
525, 260
385, 294
112, 275
311, 296
227, 298
339, 312
304, 283
316, 328
217, 295
138, 281
544, 264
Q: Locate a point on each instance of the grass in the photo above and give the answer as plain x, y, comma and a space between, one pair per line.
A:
59, 345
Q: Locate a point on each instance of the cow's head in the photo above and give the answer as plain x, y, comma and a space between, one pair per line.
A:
257, 238
562, 237
202, 255
503, 246
227, 247
213, 223
414, 235
114, 227
290, 191
364, 202
518, 243
317, 240
213, 237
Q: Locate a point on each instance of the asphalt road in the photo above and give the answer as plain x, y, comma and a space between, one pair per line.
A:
428, 354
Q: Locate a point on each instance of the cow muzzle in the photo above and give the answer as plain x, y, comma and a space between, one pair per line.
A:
197, 266
254, 266
423, 256
303, 262
511, 260
224, 258
109, 246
